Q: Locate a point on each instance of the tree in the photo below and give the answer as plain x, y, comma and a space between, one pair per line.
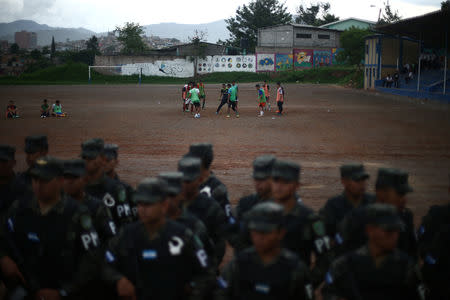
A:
45, 50
53, 48
14, 49
92, 45
199, 48
353, 42
36, 54
257, 14
315, 15
445, 5
389, 15
130, 36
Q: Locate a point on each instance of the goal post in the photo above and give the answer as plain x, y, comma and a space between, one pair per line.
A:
116, 70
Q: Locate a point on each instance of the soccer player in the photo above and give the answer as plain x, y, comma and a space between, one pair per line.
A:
194, 97
280, 98
223, 97
232, 100
201, 88
261, 99
234, 84
184, 92
266, 91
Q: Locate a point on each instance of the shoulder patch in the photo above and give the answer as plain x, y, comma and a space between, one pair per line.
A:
122, 195
319, 228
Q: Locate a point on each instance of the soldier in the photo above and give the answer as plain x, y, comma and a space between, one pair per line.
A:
354, 179
377, 270
156, 258
266, 270
434, 247
175, 212
391, 188
49, 244
203, 207
112, 193
8, 184
111, 163
262, 169
74, 186
305, 231
210, 186
35, 146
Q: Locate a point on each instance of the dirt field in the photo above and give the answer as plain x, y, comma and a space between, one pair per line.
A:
324, 127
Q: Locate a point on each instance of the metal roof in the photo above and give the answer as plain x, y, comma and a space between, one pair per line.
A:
430, 28
340, 21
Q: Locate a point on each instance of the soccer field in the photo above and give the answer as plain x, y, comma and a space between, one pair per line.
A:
324, 127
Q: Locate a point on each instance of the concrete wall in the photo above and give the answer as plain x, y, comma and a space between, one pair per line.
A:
314, 41
278, 37
209, 50
274, 39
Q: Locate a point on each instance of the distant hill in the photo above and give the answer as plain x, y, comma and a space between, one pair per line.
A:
215, 31
44, 32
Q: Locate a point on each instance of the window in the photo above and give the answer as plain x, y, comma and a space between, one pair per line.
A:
324, 36
303, 35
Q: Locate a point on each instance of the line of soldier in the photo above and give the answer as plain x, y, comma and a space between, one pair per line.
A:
72, 229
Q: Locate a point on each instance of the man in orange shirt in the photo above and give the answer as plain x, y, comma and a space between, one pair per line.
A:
280, 98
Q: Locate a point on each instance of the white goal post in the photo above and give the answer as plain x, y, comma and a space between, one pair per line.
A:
117, 69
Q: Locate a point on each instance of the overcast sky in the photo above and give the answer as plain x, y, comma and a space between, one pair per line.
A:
103, 15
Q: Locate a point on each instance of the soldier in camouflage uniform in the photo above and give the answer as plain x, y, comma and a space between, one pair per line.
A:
202, 206
155, 257
377, 270
211, 186
354, 179
175, 211
112, 193
35, 146
262, 172
434, 249
74, 186
305, 230
49, 243
112, 161
391, 188
8, 182
266, 270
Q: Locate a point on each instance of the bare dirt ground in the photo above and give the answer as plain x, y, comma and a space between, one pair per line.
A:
324, 127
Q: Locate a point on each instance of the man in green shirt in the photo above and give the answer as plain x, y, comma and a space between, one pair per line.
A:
45, 109
195, 100
232, 103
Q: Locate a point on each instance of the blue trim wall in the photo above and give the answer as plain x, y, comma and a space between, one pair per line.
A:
415, 94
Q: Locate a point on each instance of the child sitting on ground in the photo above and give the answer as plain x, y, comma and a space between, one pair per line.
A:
11, 111
45, 109
57, 110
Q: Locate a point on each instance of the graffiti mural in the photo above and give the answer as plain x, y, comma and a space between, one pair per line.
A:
228, 63
322, 58
265, 62
334, 53
167, 68
303, 58
284, 62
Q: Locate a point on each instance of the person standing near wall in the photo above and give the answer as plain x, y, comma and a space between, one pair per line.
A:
280, 98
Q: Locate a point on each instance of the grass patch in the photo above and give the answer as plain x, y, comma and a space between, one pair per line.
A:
77, 73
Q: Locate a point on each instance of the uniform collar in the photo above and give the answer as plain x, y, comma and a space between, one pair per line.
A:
58, 208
